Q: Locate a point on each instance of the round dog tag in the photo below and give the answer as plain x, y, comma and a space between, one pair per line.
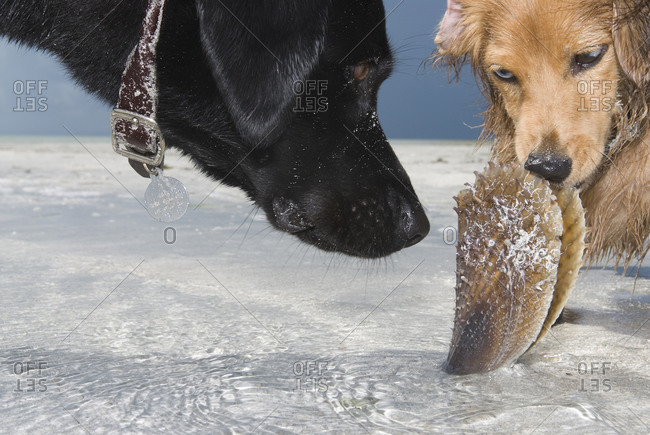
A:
166, 198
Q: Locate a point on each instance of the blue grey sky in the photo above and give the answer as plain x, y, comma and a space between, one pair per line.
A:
417, 102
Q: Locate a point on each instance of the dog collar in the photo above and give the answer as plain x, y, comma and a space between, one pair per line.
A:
134, 131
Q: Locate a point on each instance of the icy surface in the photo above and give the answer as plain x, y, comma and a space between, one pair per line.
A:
110, 323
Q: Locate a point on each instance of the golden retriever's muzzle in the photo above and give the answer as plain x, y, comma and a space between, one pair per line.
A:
548, 162
554, 167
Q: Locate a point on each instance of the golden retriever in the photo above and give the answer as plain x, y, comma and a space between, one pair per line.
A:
568, 87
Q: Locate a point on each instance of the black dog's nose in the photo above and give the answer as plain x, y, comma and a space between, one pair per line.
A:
414, 225
289, 217
553, 167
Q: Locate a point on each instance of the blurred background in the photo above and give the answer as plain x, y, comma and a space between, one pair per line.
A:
37, 97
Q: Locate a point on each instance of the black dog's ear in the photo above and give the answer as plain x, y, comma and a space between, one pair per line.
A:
632, 39
258, 51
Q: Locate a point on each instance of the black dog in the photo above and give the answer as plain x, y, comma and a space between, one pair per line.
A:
277, 97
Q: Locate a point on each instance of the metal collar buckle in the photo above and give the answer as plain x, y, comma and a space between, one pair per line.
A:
134, 130
121, 143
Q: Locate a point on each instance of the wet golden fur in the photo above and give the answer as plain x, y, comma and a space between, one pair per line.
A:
598, 117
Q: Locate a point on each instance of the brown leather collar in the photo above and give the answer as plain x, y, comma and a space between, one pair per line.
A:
135, 132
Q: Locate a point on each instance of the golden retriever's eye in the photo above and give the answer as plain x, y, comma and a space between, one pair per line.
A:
361, 71
588, 59
504, 75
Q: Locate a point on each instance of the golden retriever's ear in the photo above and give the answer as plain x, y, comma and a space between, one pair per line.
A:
457, 38
632, 39
451, 27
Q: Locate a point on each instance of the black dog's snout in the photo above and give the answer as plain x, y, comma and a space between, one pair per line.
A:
289, 217
414, 225
553, 167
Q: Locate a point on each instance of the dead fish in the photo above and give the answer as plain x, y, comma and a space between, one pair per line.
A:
517, 260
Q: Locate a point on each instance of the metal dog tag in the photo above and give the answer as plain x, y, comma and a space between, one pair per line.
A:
166, 199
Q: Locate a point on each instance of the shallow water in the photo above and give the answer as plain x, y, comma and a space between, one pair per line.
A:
106, 326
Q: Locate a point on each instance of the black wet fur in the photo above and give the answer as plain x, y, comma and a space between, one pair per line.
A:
228, 75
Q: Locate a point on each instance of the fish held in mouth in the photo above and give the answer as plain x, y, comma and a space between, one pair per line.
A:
519, 252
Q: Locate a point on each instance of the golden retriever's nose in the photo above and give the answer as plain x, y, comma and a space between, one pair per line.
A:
553, 167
